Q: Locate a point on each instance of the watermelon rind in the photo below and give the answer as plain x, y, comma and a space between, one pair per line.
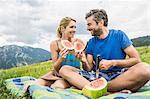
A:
95, 93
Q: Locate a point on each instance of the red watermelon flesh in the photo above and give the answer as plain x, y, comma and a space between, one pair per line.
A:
96, 88
97, 83
67, 44
78, 46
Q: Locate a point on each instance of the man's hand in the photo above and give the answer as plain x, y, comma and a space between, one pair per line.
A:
105, 64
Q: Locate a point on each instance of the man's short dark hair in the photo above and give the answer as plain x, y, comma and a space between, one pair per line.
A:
99, 14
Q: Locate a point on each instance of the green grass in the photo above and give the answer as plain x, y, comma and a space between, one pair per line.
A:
39, 69
35, 70
144, 53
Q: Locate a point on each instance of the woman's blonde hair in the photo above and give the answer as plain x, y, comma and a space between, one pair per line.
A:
63, 23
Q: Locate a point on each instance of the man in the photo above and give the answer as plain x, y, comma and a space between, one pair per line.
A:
113, 46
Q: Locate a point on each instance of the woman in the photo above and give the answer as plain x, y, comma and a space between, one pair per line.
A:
61, 56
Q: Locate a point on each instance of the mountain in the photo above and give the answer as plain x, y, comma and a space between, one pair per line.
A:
13, 55
141, 41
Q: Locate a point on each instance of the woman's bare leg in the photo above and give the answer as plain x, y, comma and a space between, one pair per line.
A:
61, 83
73, 77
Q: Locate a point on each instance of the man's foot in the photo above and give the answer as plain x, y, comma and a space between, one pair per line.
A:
122, 91
126, 91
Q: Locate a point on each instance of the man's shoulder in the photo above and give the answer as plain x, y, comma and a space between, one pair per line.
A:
115, 31
91, 39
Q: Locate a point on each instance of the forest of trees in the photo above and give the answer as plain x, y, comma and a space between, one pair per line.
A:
141, 41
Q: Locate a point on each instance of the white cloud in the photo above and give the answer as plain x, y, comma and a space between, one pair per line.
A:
6, 39
44, 41
34, 22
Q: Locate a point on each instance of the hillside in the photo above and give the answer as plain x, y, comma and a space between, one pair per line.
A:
13, 55
37, 70
144, 53
141, 41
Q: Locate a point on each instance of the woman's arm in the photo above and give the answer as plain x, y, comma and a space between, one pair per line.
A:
56, 61
87, 62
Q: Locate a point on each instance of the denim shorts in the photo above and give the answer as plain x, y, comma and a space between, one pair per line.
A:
107, 75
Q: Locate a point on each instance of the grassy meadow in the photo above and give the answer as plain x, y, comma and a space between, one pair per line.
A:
37, 70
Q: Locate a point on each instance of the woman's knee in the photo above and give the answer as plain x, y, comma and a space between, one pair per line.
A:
64, 70
60, 84
43, 82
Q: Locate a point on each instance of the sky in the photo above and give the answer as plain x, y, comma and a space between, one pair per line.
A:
34, 22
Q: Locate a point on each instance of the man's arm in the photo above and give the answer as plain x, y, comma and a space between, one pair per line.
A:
132, 60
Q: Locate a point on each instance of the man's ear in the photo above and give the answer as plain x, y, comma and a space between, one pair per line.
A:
101, 23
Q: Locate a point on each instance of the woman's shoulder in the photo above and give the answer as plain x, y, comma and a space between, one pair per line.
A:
54, 42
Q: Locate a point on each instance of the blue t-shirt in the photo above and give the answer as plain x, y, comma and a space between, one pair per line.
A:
109, 48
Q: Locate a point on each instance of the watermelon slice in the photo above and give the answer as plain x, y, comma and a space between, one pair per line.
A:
68, 45
77, 46
96, 88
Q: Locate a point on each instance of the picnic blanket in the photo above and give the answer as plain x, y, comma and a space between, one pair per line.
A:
42, 92
16, 85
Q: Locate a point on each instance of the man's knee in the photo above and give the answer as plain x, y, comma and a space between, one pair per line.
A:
143, 69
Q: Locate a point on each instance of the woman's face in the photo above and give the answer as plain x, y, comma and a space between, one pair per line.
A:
70, 29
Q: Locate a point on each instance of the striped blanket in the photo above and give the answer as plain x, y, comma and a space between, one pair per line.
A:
15, 85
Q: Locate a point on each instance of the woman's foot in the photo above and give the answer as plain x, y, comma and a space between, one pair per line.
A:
27, 84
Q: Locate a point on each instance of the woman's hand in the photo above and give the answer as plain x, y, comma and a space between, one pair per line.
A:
81, 56
85, 61
63, 53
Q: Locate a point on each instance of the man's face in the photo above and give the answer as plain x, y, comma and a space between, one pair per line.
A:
93, 27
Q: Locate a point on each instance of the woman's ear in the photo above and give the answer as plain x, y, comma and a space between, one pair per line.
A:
62, 29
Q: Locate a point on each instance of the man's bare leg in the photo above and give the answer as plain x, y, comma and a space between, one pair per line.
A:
133, 79
73, 77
